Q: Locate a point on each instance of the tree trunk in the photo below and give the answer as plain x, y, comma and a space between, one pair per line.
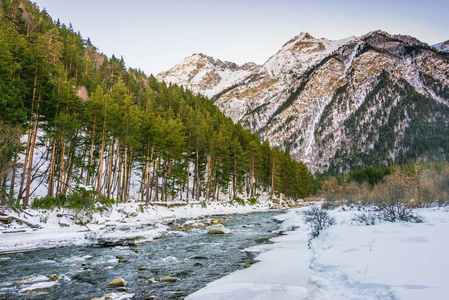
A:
234, 186
125, 173
91, 157
156, 195
25, 165
272, 179
188, 172
128, 177
208, 176
30, 163
119, 174
61, 163
13, 176
252, 177
110, 173
164, 183
100, 167
149, 175
144, 177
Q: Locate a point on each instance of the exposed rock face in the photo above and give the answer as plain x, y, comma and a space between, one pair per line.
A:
342, 104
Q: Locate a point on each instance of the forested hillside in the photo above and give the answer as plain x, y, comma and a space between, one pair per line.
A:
73, 119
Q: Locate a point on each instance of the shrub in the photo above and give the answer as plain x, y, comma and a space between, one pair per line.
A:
238, 200
78, 199
317, 219
50, 202
398, 212
252, 201
368, 218
388, 213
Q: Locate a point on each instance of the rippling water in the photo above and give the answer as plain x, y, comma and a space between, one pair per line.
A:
194, 257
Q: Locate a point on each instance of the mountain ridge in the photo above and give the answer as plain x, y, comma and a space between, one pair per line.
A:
304, 96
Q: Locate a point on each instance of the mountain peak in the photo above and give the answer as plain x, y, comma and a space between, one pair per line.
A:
204, 74
443, 46
302, 36
299, 53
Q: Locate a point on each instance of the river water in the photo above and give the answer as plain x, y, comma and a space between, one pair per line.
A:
194, 257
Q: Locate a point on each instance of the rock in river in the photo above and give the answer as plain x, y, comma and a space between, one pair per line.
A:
53, 277
117, 282
218, 230
169, 279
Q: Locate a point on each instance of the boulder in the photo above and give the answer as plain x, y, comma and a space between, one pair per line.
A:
218, 230
109, 296
117, 282
63, 224
53, 277
169, 279
151, 280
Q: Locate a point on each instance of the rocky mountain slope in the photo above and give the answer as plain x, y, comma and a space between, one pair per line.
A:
342, 104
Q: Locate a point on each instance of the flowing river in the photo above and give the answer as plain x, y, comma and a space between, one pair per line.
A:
194, 257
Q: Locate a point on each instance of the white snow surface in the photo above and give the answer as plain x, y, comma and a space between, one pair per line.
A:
347, 261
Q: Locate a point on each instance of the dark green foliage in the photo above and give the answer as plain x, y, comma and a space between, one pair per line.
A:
370, 175
239, 201
78, 199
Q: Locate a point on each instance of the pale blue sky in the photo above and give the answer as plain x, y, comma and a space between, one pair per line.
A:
155, 35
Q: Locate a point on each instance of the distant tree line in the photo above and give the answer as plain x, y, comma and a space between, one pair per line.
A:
410, 185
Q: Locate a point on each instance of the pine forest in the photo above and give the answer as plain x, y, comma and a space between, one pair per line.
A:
75, 121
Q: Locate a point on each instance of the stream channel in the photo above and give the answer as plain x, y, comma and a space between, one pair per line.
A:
194, 257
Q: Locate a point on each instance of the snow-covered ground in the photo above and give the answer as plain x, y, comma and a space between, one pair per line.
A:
123, 223
347, 261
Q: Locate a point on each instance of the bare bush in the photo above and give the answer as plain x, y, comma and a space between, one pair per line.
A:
388, 213
366, 218
317, 219
398, 212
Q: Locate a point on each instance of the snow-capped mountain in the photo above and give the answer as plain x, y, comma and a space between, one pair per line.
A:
341, 104
205, 75
443, 46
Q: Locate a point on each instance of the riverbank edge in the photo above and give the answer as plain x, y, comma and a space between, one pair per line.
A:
132, 222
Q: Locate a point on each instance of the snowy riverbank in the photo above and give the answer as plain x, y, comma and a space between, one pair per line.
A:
120, 224
347, 261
